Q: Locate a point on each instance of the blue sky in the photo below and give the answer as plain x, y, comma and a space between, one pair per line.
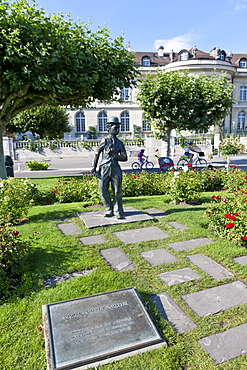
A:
174, 24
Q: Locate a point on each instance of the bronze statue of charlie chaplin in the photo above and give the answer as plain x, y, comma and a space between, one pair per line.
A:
113, 151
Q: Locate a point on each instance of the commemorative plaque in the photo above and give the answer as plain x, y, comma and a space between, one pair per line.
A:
87, 332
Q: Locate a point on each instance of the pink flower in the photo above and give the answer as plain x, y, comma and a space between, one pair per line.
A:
230, 225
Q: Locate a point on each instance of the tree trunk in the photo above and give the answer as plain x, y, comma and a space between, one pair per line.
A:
3, 173
168, 140
228, 159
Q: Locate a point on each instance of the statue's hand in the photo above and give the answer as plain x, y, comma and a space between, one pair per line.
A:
111, 152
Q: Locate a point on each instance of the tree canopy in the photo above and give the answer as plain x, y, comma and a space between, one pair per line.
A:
179, 100
46, 121
50, 59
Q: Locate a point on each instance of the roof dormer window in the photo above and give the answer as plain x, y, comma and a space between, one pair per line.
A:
184, 55
146, 62
242, 63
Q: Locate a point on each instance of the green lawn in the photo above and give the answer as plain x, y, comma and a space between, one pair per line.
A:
21, 341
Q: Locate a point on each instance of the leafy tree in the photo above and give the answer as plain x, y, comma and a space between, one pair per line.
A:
47, 121
52, 60
179, 100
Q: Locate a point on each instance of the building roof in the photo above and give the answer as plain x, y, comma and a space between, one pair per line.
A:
156, 60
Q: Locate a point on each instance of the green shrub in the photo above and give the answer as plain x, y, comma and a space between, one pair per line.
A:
212, 180
77, 190
227, 217
185, 187
144, 183
234, 180
37, 166
12, 251
15, 199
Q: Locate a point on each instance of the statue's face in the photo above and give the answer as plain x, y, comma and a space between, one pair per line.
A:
114, 129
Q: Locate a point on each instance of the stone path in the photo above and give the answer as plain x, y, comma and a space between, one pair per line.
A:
221, 347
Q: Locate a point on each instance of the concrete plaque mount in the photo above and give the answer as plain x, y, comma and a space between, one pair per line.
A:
87, 332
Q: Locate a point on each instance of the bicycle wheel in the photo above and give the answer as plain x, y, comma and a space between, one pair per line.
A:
149, 165
183, 162
201, 163
136, 166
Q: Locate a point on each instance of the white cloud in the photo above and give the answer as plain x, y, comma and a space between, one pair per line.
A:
240, 4
176, 43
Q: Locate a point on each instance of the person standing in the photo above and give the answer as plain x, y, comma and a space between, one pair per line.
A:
113, 151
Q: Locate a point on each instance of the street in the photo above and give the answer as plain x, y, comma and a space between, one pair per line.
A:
75, 166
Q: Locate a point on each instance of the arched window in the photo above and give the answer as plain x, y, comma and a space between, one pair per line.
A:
241, 121
125, 94
222, 55
125, 121
243, 93
146, 124
102, 120
242, 63
80, 122
184, 55
146, 62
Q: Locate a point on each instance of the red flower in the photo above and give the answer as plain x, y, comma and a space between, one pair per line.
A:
227, 215
244, 238
229, 225
189, 165
15, 232
218, 197
245, 177
236, 214
233, 218
134, 177
65, 182
56, 191
245, 192
233, 166
213, 196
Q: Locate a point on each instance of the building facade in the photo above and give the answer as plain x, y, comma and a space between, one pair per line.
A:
234, 66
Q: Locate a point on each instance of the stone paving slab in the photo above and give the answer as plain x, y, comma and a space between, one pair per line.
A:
95, 239
156, 212
69, 229
171, 312
141, 235
217, 299
59, 279
177, 225
117, 259
189, 244
241, 260
178, 276
211, 267
225, 346
96, 218
158, 257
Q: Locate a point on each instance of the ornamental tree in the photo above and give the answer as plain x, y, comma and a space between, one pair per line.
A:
51, 60
179, 100
47, 121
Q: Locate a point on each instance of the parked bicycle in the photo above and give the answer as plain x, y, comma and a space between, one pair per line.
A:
198, 162
146, 164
